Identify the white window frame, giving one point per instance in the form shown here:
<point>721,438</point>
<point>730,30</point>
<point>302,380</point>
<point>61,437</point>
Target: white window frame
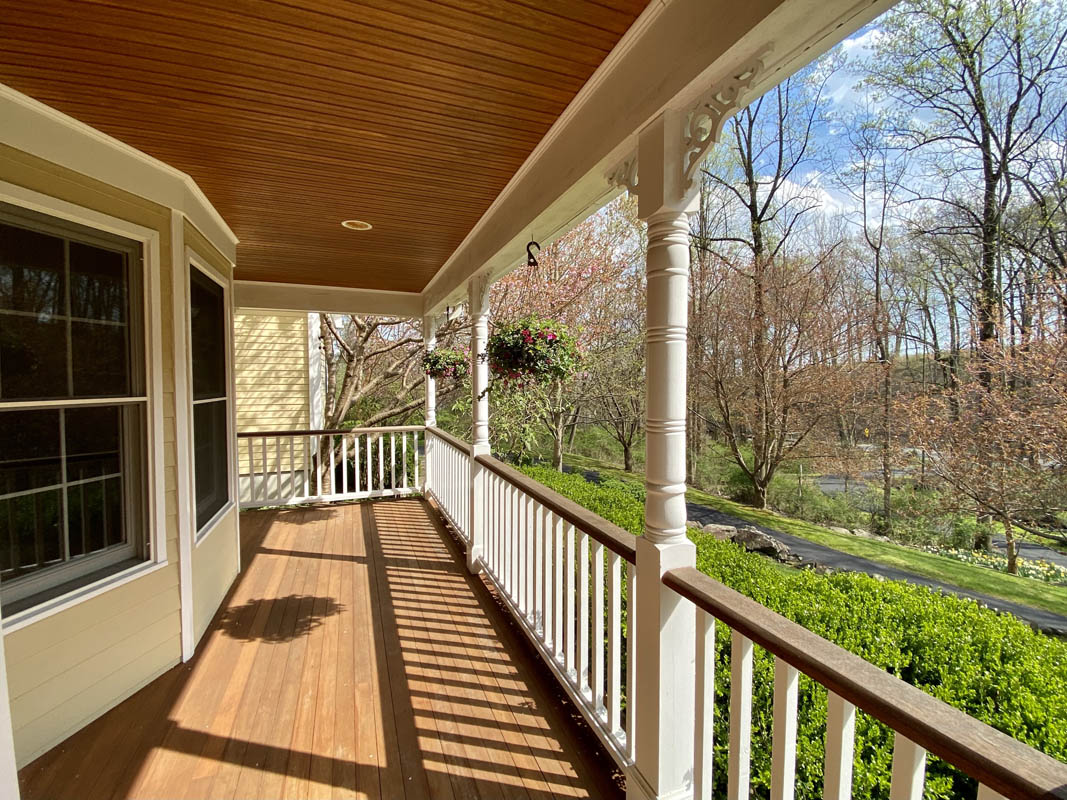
<point>194,261</point>
<point>155,509</point>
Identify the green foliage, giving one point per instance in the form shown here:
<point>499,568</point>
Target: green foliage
<point>811,503</point>
<point>532,350</point>
<point>445,363</point>
<point>990,666</point>
<point>1038,569</point>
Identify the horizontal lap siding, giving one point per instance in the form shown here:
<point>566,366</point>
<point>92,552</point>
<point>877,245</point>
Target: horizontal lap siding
<point>271,364</point>
<point>69,668</point>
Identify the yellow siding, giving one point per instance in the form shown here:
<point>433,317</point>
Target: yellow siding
<point>271,361</point>
<point>214,568</point>
<point>68,668</point>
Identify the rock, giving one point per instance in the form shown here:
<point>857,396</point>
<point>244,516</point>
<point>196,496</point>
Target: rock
<point>837,529</point>
<point>868,535</point>
<point>756,541</point>
<point>720,532</point>
<point>691,523</point>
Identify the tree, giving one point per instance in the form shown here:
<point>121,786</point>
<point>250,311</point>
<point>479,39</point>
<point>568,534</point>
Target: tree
<point>978,84</point>
<point>1001,448</point>
<point>763,329</point>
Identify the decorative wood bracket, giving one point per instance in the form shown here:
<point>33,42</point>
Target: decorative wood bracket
<point>706,119</point>
<point>625,174</point>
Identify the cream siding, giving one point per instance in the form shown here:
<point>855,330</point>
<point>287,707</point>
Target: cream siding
<point>60,676</point>
<point>271,361</point>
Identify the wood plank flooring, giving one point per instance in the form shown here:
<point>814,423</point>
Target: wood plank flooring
<point>354,657</point>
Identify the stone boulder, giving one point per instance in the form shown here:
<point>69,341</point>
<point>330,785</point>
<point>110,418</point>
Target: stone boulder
<point>720,532</point>
<point>860,532</point>
<point>756,541</point>
<point>837,529</point>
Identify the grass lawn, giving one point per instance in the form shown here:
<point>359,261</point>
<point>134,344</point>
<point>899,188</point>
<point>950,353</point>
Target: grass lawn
<point>967,576</point>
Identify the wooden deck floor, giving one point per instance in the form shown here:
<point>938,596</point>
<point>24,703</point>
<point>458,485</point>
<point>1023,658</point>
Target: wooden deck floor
<point>354,657</point>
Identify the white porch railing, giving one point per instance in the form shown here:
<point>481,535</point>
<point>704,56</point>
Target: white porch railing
<point>448,478</point>
<point>289,467</point>
<point>566,576</point>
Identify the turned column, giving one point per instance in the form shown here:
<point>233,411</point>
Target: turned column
<point>478,309</point>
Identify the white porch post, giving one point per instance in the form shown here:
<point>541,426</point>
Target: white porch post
<point>429,339</point>
<point>478,309</point>
<point>665,653</point>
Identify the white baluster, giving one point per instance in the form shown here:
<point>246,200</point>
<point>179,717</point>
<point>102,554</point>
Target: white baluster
<point>631,655</point>
<point>381,462</point>
<point>292,470</point>
<point>703,774</point>
<point>784,744</point>
<point>392,461</point>
<point>909,769</point>
<point>583,612</point>
<point>740,717</point>
<point>370,460</point>
<point>278,466</point>
<point>251,469</point>
<point>404,460</point>
<point>840,740</point>
<point>344,464</point>
<point>569,632</point>
<point>598,628</point>
<point>266,475</point>
<point>614,643</point>
<point>548,548</point>
<point>536,607</point>
<point>307,466</point>
<point>318,467</point>
<point>558,615</point>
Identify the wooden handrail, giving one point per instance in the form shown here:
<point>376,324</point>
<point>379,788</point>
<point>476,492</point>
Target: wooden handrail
<point>448,438</point>
<point>996,760</point>
<point>611,536</point>
<point>330,432</point>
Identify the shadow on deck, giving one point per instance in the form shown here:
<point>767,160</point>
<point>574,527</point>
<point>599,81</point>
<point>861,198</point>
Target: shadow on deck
<point>353,657</point>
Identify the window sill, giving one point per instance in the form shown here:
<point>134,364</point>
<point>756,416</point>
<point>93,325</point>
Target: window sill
<point>52,601</point>
<point>213,523</point>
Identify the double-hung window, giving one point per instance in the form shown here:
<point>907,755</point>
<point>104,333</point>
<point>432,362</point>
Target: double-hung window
<point>73,406</point>
<point>207,308</point>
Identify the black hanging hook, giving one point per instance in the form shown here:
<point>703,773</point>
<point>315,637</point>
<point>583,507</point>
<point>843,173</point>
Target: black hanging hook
<point>531,259</point>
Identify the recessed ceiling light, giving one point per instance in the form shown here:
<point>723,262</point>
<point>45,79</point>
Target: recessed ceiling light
<point>356,225</point>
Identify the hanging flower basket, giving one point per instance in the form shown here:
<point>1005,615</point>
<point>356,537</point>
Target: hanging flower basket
<point>446,363</point>
<point>532,350</point>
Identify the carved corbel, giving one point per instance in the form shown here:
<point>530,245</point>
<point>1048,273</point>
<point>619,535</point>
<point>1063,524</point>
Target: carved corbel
<point>706,119</point>
<point>624,175</point>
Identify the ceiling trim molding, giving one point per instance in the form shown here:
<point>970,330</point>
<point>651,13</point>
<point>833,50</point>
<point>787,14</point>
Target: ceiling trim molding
<point>333,299</point>
<point>42,131</point>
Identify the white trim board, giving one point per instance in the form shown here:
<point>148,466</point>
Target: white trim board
<point>42,131</point>
<point>334,299</point>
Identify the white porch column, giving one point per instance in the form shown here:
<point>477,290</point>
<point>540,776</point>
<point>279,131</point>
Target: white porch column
<point>478,309</point>
<point>429,340</point>
<point>665,652</point>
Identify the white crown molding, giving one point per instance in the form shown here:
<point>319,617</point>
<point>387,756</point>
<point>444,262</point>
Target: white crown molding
<point>332,299</point>
<point>42,131</point>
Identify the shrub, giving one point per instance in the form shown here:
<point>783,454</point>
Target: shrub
<point>445,363</point>
<point>534,350</point>
<point>990,666</point>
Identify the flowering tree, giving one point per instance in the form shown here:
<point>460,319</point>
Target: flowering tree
<point>1001,449</point>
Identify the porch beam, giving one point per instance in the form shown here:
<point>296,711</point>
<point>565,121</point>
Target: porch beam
<point>670,56</point>
<point>332,299</point>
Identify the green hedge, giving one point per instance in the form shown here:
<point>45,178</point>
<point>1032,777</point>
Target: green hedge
<point>991,666</point>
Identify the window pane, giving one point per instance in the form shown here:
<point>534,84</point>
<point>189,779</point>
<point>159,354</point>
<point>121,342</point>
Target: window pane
<point>29,450</point>
<point>33,357</point>
<point>93,437</point>
<point>208,336</point>
<point>97,283</point>
<point>31,271</point>
<point>101,363</point>
<point>209,435</point>
<point>31,531</point>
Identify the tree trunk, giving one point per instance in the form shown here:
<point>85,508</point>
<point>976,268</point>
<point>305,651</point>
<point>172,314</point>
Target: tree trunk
<point>627,458</point>
<point>557,452</point>
<point>1012,548</point>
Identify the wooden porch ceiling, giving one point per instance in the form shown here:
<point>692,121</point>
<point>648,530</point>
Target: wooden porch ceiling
<point>294,116</point>
<point>354,657</point>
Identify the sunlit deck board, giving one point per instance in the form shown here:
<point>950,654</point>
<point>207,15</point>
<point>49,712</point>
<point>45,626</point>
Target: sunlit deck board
<point>354,657</point>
